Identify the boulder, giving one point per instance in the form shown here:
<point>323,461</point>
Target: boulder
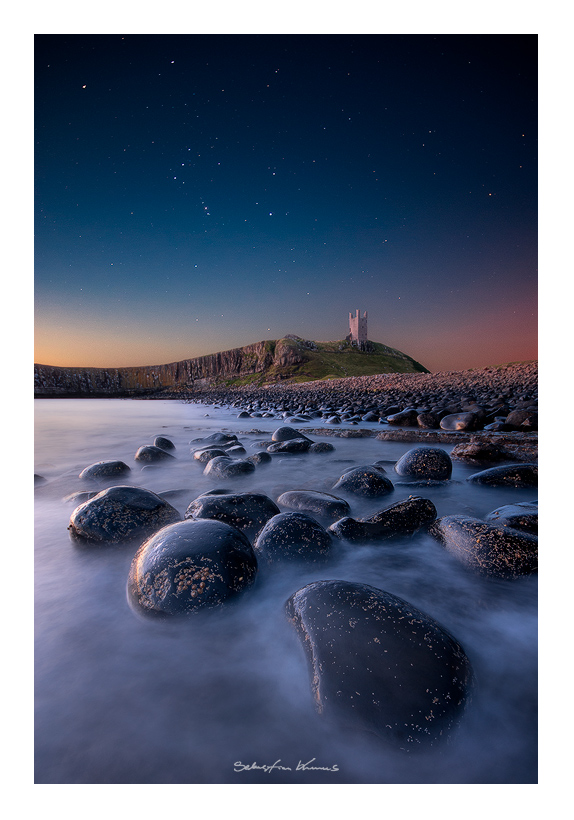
<point>120,513</point>
<point>287,433</point>
<point>512,475</point>
<point>321,447</point>
<point>246,511</point>
<point>293,536</point>
<point>323,505</point>
<point>226,467</point>
<point>366,481</point>
<point>404,418</point>
<point>425,462</point>
<point>149,453</point>
<point>190,566</point>
<point>104,469</point>
<point>402,518</point>
<point>293,445</point>
<point>488,549</point>
<point>478,452</point>
<point>163,443</point>
<point>460,421</point>
<point>522,516</point>
<point>379,664</point>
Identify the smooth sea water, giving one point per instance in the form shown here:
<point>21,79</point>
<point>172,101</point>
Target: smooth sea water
<point>122,699</point>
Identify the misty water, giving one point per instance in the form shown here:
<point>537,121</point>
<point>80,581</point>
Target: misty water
<point>123,699</point>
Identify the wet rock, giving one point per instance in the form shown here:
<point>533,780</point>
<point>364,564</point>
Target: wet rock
<point>288,433</point>
<point>214,440</point>
<point>365,481</point>
<point>190,566</point>
<point>321,447</point>
<point>513,475</point>
<point>226,467</point>
<point>293,536</point>
<point>427,421</point>
<point>39,479</point>
<point>402,518</point>
<point>379,664</point>
<point>478,452</point>
<point>425,462</point>
<point>522,419</point>
<point>149,453</point>
<point>104,469</point>
<point>404,418</point>
<point>163,443</point>
<point>488,549</point>
<point>293,445</point>
<point>246,511</point>
<point>323,505</point>
<point>205,455</point>
<point>259,458</point>
<point>236,450</point>
<point>120,513</point>
<point>460,421</point>
<point>522,516</point>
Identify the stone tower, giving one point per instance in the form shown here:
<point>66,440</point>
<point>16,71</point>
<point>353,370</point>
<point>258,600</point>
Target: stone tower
<point>358,329</point>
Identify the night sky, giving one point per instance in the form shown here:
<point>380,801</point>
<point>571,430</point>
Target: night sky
<point>196,193</point>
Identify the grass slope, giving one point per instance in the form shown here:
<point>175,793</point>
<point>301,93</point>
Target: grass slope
<point>332,360</point>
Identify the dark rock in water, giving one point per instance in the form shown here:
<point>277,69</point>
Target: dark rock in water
<point>206,454</point>
<point>425,462</point>
<point>379,664</point>
<point>404,418</point>
<point>402,518</point>
<point>215,439</point>
<point>246,511</point>
<point>321,447</point>
<point>244,415</point>
<point>478,452</point>
<point>39,479</point>
<point>293,445</point>
<point>513,475</point>
<point>522,419</point>
<point>370,416</point>
<point>259,458</point>
<point>226,467</point>
<point>460,421</point>
<point>488,549</point>
<point>150,453</point>
<point>287,433</point>
<point>236,450</point>
<point>104,469</point>
<point>522,516</point>
<point>323,505</point>
<point>366,481</point>
<point>428,421</point>
<point>121,513</point>
<point>163,443</point>
<point>189,566</point>
<point>293,536</point>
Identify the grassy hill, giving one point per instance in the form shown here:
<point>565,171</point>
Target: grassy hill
<point>300,360</point>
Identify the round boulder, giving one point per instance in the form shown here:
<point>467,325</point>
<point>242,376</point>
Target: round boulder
<point>402,518</point>
<point>379,664</point>
<point>121,513</point>
<point>226,467</point>
<point>460,421</point>
<point>425,462</point>
<point>149,454</point>
<point>365,481</point>
<point>488,549</point>
<point>163,443</point>
<point>522,516</point>
<point>293,536</point>
<point>323,505</point>
<point>246,511</point>
<point>513,475</point>
<point>292,445</point>
<point>104,469</point>
<point>287,433</point>
<point>189,566</point>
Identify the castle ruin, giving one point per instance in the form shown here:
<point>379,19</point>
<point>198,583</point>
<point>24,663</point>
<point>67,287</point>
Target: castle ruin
<point>358,330</point>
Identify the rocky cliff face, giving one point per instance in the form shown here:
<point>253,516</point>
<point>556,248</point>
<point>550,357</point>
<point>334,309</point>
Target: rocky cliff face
<point>124,381</point>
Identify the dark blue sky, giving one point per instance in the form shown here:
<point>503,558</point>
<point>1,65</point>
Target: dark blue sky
<point>201,192</point>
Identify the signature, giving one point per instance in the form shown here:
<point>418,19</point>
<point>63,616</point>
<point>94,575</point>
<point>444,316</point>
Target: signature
<point>278,766</point>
